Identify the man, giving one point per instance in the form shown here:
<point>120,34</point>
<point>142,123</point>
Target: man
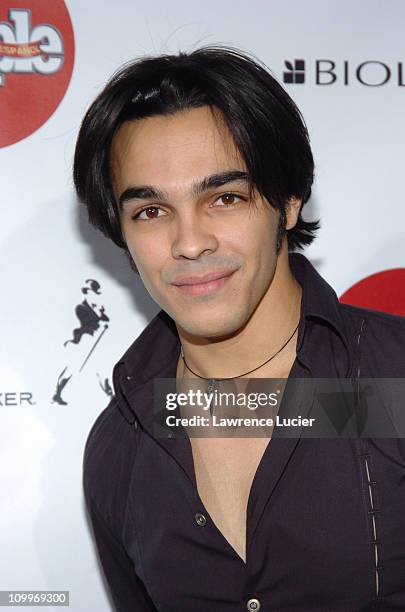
<point>198,166</point>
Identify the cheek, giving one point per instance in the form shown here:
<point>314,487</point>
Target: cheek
<point>149,255</point>
<point>140,257</point>
<point>259,240</point>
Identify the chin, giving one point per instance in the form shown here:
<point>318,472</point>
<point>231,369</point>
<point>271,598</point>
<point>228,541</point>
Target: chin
<point>212,326</point>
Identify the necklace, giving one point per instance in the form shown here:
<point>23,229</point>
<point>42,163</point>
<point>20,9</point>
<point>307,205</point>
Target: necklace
<point>212,381</point>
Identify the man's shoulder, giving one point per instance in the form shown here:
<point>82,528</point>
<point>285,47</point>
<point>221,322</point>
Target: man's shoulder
<point>378,320</point>
<point>102,424</point>
<point>379,338</point>
<point>109,448</point>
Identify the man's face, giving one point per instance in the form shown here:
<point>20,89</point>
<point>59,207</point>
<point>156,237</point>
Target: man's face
<point>187,213</point>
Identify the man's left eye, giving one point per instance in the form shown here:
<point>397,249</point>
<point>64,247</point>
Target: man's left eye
<point>228,199</point>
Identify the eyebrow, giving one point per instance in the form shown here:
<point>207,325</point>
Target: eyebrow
<point>147,192</point>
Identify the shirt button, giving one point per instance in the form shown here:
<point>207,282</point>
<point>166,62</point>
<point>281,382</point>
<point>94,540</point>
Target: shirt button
<point>253,605</point>
<point>200,519</point>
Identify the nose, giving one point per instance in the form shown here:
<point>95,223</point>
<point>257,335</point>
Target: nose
<point>193,236</point>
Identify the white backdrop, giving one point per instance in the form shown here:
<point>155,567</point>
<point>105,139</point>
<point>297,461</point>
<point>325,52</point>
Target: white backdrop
<point>47,250</point>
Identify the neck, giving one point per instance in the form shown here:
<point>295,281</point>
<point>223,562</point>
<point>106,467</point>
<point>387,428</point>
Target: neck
<point>269,327</point>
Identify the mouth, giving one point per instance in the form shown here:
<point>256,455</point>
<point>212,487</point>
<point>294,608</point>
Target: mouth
<point>204,285</point>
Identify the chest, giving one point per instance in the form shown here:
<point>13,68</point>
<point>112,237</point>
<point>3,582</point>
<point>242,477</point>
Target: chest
<point>310,525</point>
<point>224,470</point>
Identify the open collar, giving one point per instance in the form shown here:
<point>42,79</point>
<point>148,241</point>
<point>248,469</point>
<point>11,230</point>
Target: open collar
<point>319,301</point>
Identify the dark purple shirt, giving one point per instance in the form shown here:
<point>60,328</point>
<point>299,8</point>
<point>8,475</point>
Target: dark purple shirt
<point>325,517</point>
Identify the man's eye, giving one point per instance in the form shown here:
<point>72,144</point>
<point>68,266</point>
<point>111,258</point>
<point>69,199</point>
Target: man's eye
<point>228,199</point>
<point>151,212</point>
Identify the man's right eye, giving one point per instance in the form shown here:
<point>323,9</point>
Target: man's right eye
<point>151,212</point>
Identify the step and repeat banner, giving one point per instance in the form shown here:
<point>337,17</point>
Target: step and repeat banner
<point>70,304</point>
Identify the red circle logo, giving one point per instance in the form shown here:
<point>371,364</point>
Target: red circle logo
<point>381,291</point>
<point>36,63</point>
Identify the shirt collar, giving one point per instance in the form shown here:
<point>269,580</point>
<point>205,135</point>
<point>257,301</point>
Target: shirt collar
<point>319,300</point>
<point>155,353</point>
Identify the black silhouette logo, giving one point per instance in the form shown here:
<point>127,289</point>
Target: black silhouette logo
<point>295,72</point>
<point>93,321</point>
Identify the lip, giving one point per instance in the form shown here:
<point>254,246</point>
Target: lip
<point>203,285</point>
<point>205,278</point>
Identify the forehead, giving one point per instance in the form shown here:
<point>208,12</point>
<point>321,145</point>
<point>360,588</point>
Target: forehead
<point>173,150</point>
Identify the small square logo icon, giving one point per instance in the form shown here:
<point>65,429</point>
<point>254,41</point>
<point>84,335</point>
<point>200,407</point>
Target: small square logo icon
<point>295,73</point>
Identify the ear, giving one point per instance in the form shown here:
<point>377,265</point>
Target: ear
<point>293,207</point>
